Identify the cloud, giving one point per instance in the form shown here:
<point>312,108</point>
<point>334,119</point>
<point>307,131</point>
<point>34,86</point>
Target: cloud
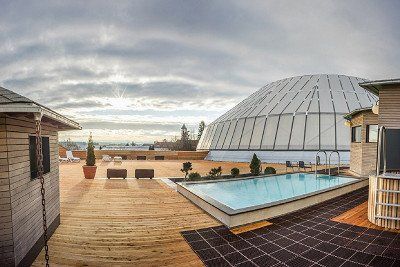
<point>100,62</point>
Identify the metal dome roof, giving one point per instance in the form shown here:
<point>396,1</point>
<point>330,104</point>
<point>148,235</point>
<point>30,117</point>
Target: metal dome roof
<point>297,113</point>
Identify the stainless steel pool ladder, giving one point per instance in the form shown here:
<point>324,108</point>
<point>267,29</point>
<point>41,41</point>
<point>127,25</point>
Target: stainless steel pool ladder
<point>382,151</point>
<point>329,166</point>
<point>326,160</point>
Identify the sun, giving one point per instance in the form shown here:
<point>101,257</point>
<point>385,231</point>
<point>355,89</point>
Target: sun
<point>119,100</point>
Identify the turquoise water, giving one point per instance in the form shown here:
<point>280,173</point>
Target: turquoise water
<point>258,191</point>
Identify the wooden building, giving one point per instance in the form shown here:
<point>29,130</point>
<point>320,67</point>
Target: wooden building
<point>384,183</point>
<point>364,138</point>
<point>21,218</point>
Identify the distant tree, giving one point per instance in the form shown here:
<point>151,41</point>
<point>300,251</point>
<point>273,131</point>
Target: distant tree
<point>90,157</point>
<point>70,145</point>
<point>186,168</point>
<point>202,126</point>
<point>255,165</point>
<point>127,144</point>
<point>133,143</point>
<point>184,143</point>
<point>151,147</point>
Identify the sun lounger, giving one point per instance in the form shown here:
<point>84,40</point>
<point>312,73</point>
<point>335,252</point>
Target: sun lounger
<point>61,160</point>
<point>71,157</point>
<point>117,159</point>
<point>106,158</point>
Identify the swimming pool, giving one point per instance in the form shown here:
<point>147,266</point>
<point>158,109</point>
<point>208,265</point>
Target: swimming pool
<point>289,191</point>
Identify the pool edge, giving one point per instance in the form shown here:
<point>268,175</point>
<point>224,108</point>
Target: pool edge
<point>246,217</point>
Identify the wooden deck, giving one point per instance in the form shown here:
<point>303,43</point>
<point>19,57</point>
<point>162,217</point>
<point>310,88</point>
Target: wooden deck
<point>358,216</point>
<point>122,222</point>
<point>127,222</point>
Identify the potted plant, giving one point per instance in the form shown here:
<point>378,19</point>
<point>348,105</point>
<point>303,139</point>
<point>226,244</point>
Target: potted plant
<point>89,170</point>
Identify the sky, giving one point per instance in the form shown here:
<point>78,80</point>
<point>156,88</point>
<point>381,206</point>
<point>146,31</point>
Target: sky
<point>137,70</point>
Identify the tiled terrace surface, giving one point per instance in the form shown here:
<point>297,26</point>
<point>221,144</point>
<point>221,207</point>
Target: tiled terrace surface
<point>304,238</point>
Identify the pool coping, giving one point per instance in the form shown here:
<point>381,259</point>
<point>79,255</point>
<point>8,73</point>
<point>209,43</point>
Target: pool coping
<point>229,211</point>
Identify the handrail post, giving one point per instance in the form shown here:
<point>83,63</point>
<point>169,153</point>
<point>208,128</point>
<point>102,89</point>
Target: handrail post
<point>330,154</point>
<point>326,160</point>
<point>378,158</point>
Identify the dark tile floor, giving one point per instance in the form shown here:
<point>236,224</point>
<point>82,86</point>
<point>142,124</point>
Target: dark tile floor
<point>304,238</point>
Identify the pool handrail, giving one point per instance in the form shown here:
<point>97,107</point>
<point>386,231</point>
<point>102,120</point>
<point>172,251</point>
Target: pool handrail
<point>326,160</point>
<point>329,167</point>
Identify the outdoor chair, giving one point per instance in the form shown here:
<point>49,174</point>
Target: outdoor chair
<point>303,166</point>
<point>106,158</point>
<point>290,165</point>
<point>71,157</point>
<point>61,160</point>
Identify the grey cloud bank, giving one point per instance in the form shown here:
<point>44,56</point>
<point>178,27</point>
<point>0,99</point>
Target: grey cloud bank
<point>141,68</point>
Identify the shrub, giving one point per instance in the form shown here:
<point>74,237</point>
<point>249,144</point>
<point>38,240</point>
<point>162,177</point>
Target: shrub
<point>235,172</point>
<point>269,170</point>
<point>194,176</point>
<point>215,172</point>
<point>255,165</point>
<point>186,167</point>
<point>90,157</point>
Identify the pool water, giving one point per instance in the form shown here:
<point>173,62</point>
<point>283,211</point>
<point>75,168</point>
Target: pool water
<point>245,193</point>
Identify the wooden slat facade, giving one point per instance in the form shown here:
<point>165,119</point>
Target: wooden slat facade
<point>389,107</point>
<point>20,198</point>
<point>389,116</point>
<point>383,197</point>
<point>6,226</point>
<point>363,154</point>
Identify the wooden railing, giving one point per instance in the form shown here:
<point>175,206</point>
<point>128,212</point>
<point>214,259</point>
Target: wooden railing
<point>133,154</point>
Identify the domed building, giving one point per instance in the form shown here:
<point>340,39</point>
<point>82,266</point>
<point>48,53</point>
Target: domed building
<point>290,119</point>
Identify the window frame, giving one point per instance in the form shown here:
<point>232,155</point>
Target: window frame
<point>367,139</point>
<point>46,157</point>
<point>353,134</point>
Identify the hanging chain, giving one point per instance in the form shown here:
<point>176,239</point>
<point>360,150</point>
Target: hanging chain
<point>39,158</point>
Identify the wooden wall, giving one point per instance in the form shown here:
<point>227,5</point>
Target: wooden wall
<point>363,155</point>
<point>24,193</point>
<point>6,227</point>
<point>389,107</point>
<point>132,154</point>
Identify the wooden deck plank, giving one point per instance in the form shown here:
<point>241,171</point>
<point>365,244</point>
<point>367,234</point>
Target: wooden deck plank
<point>358,216</point>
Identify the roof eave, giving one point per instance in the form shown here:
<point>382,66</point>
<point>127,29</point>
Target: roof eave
<point>32,108</point>
<point>350,115</point>
<point>375,86</point>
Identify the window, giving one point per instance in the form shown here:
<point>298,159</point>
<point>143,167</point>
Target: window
<point>356,134</point>
<point>372,133</point>
<point>32,156</point>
